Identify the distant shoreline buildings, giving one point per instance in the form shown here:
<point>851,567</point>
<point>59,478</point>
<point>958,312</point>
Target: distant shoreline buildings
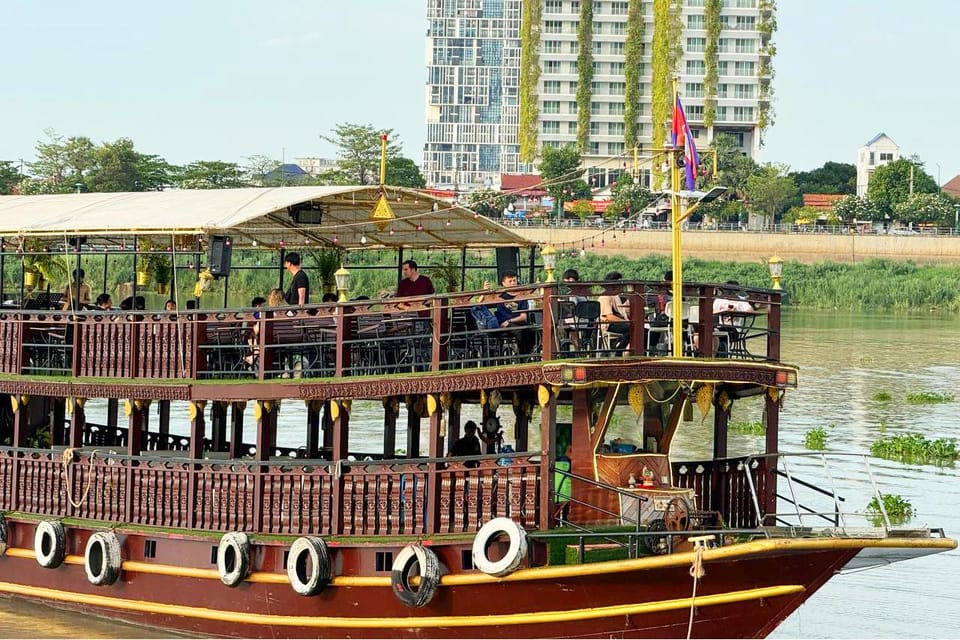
<point>720,50</point>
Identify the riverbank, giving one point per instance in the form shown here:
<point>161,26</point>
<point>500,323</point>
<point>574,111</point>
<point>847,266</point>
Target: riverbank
<point>749,246</point>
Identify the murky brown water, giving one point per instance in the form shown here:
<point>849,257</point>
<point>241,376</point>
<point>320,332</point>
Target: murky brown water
<point>844,360</point>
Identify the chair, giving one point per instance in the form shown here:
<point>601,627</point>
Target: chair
<point>565,334</point>
<point>660,333</point>
<point>587,325</point>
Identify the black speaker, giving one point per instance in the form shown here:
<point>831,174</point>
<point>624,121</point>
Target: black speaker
<point>508,259</point>
<point>218,260</point>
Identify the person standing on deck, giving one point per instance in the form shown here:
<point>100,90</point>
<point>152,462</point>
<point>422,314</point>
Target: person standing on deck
<point>298,294</point>
<point>468,445</point>
<point>69,298</point>
<point>412,283</point>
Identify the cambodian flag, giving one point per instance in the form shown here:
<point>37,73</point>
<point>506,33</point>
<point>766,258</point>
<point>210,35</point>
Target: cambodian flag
<point>682,137</point>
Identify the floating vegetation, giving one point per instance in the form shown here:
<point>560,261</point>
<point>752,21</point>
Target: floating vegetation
<point>929,397</point>
<point>914,448</point>
<point>816,438</point>
<point>898,508</point>
<point>882,396</point>
<point>747,428</point>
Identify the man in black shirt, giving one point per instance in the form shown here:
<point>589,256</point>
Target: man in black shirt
<point>298,293</point>
<point>468,445</point>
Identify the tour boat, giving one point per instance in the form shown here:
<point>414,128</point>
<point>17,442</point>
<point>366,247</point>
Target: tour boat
<point>567,532</point>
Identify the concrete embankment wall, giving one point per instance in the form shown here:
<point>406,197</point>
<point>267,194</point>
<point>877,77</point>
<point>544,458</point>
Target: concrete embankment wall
<point>743,246</point>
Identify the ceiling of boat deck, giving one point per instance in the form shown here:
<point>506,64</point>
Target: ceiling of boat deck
<point>297,216</point>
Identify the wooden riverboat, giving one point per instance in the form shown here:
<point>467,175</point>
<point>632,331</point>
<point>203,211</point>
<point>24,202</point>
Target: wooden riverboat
<point>226,531</point>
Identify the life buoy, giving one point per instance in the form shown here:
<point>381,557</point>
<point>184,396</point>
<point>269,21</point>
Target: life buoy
<point>308,565</point>
<point>101,559</point>
<point>233,558</point>
<point>50,543</point>
<point>415,559</point>
<point>515,551</point>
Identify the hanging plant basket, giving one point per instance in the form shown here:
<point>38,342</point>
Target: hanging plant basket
<point>163,288</point>
<point>31,279</point>
<point>143,278</point>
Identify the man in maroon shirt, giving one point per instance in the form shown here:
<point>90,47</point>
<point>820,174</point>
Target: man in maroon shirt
<point>413,284</point>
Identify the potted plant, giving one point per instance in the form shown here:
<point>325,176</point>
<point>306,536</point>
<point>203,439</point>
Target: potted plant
<point>145,262</point>
<point>327,262</point>
<point>447,274</point>
<point>162,271</point>
<point>40,264</point>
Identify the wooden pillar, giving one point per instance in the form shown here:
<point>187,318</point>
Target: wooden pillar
<point>772,413</point>
<point>218,425</point>
<point>413,428</point>
<point>391,409</point>
<point>164,423</point>
<point>340,413</point>
<point>112,412</point>
<point>432,525</point>
<point>720,418</point>
<point>581,459</point>
<point>78,421</point>
<point>135,410</point>
<point>236,429</point>
<point>21,424</point>
<point>265,412</point>
<point>313,427</point>
<point>548,453</point>
<point>197,429</point>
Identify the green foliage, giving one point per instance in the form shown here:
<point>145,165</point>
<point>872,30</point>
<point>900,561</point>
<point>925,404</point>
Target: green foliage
<point>446,273</point>
<point>832,177</point>
<point>326,262</point>
<point>583,209</point>
<point>662,71</point>
<point>490,203</point>
<point>629,198</point>
<point>929,208</point>
<point>756,428</point>
<point>584,72</point>
<point>802,215</point>
<point>816,438</point>
<point>770,190</point>
<point>766,27</point>
<point>929,397</point>
<point>882,396</point>
<point>633,57</point>
<point>733,167</point>
<point>890,184</point>
<point>898,509</point>
<point>210,174</point>
<point>9,177</point>
<point>712,25</point>
<point>358,150</point>
<point>916,449</point>
<point>561,172</point>
<point>529,79</point>
<point>404,172</point>
<point>853,208</point>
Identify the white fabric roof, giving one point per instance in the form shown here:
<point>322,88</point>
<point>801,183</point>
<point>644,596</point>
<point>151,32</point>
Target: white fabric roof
<point>261,214</point>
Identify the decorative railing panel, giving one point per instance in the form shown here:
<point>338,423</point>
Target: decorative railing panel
<point>224,498</point>
<point>722,486</point>
<point>298,500</point>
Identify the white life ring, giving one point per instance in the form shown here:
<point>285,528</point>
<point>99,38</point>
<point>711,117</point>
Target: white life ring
<point>101,559</point>
<point>308,554</point>
<point>515,552</point>
<point>415,559</point>
<point>233,558</point>
<point>50,543</point>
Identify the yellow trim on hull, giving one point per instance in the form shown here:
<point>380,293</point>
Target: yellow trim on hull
<point>425,622</point>
<point>756,547</point>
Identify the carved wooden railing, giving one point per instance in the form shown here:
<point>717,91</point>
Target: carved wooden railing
<point>430,333</point>
<point>722,486</point>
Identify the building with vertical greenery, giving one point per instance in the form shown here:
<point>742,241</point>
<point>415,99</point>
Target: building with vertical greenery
<point>721,51</point>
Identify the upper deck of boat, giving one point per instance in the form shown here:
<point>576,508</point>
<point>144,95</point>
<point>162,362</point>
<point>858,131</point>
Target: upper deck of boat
<point>359,341</point>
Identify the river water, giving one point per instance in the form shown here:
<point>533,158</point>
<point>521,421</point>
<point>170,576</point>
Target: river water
<point>844,360</point>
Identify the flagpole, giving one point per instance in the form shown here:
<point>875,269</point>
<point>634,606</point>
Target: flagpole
<point>676,216</point>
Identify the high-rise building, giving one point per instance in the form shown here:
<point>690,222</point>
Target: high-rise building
<point>721,50</point>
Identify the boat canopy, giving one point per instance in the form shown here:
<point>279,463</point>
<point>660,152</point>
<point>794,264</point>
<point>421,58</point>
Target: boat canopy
<point>350,217</point>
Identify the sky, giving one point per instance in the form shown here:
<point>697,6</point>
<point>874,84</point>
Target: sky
<point>229,79</point>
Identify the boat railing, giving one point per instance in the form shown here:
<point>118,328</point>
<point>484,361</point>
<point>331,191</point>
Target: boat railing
<point>384,337</point>
<point>284,496</point>
<point>806,504</point>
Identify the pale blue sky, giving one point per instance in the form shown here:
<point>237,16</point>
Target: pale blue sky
<point>223,80</point>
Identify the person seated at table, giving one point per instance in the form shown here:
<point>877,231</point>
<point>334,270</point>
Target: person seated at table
<point>572,276</point>
<point>329,297</point>
<point>468,445</point>
<point>413,284</point>
<point>133,304</point>
<point>615,314</point>
<point>511,314</point>
<point>170,305</point>
<point>104,302</point>
<point>727,323</point>
<point>69,299</point>
<point>252,334</point>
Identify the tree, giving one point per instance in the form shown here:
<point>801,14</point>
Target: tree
<point>119,167</point>
<point>404,172</point>
<point>9,177</point>
<point>490,203</point>
<point>62,164</point>
<point>562,174</point>
<point>210,174</point>
<point>629,197</point>
<point>258,168</point>
<point>770,191</point>
<point>359,150</point>
<point>891,184</point>
<point>853,208</point>
<point>583,209</point>
<point>832,177</point>
<point>926,208</point>
<point>733,166</point>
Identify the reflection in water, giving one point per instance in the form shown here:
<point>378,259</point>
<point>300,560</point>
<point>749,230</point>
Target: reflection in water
<point>844,361</point>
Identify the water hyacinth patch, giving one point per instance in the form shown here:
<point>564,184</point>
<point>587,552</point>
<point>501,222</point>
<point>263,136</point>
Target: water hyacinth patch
<point>898,508</point>
<point>915,448</point>
<point>882,396</point>
<point>929,397</point>
<point>816,438</point>
<point>747,428</point>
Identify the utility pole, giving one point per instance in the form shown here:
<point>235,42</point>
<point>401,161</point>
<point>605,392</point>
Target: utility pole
<point>911,179</point>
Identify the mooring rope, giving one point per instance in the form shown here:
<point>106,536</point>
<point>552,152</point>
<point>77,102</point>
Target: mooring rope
<point>696,571</point>
<point>68,456</point>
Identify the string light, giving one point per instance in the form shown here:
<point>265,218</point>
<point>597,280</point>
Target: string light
<point>253,244</point>
<point>419,227</point>
<point>583,253</point>
<point>363,238</point>
<point>392,231</point>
